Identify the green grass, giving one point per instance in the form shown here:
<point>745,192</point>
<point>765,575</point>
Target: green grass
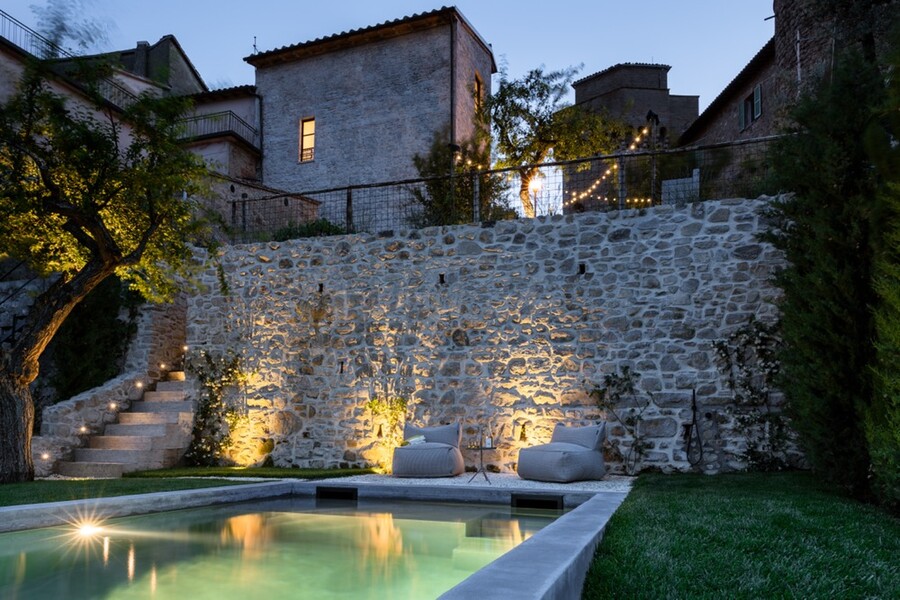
<point>753,535</point>
<point>37,492</point>
<point>273,472</point>
<point>145,482</point>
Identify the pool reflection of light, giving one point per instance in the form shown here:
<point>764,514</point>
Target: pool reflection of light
<point>89,530</point>
<point>130,563</point>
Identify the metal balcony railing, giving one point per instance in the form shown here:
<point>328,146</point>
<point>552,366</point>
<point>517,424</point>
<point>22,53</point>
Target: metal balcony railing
<point>29,40</point>
<point>218,123</point>
<point>40,47</point>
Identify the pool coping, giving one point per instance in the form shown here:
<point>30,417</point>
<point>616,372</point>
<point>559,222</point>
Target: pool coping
<point>551,565</point>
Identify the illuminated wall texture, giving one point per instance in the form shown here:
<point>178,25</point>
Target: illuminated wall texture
<point>502,327</point>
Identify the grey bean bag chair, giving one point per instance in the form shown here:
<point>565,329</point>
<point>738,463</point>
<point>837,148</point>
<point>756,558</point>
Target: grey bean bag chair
<point>573,454</point>
<point>438,456</point>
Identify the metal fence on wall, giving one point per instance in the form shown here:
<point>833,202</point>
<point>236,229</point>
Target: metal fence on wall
<point>599,183</point>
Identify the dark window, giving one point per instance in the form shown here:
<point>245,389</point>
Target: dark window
<point>751,108</point>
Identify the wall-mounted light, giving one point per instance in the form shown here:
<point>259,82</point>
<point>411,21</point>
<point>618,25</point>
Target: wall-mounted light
<point>523,437</point>
<point>321,287</point>
<point>441,279</point>
<point>138,384</point>
<point>113,406</point>
<point>342,367</point>
<point>45,456</point>
<point>582,268</point>
<point>83,429</point>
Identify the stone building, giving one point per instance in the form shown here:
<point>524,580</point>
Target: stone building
<point>745,109</point>
<point>807,39</point>
<point>356,107</point>
<point>638,93</point>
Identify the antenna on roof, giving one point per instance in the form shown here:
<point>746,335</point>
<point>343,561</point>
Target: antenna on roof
<point>255,51</point>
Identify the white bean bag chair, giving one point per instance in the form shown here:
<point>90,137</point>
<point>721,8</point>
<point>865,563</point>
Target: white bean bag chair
<point>573,454</point>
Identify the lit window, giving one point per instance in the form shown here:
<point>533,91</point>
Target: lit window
<point>307,140</point>
<point>479,92</point>
<point>751,108</point>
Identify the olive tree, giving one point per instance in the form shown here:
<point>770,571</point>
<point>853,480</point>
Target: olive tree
<point>531,124</point>
<point>87,190</point>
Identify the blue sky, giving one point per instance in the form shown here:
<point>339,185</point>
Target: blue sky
<point>705,41</point>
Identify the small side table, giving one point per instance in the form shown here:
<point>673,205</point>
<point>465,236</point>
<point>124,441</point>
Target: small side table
<point>481,468</point>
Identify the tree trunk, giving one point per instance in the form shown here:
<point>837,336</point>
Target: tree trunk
<point>525,177</point>
<point>16,421</point>
<point>19,367</point>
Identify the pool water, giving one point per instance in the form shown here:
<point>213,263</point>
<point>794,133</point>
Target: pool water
<point>284,548</point>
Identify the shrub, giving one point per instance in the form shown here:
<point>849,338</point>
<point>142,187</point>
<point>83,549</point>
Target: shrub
<point>319,227</point>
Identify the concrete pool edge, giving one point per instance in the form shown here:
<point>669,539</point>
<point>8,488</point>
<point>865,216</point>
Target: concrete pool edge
<point>52,514</point>
<point>552,565</point>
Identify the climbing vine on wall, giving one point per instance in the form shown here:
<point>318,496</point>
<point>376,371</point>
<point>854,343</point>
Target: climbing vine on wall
<point>215,418</point>
<point>618,395</point>
<point>748,358</point>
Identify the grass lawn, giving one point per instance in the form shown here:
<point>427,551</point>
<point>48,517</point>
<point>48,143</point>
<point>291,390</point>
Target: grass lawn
<point>145,482</point>
<point>273,472</point>
<point>753,535</point>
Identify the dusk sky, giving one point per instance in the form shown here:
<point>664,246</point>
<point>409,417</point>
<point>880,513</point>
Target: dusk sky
<point>706,42</point>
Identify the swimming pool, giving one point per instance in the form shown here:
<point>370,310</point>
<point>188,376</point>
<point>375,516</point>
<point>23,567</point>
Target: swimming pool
<point>294,547</point>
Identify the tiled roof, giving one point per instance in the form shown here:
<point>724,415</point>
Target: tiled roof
<point>621,66</point>
<point>763,58</point>
<point>385,30</point>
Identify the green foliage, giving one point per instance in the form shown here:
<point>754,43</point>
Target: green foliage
<point>90,346</point>
<point>215,417</point>
<point>746,535</point>
<point>830,229</point>
<point>393,409</point>
<point>531,124</point>
<point>319,227</point>
<point>448,201</point>
<point>619,396</point>
<point>749,358</point>
<point>78,188</point>
<point>882,418</point>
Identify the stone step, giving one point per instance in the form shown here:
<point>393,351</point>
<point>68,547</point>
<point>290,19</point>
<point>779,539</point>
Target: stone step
<point>170,386</point>
<point>172,441</point>
<point>131,429</point>
<point>90,469</point>
<point>175,376</point>
<point>154,418</point>
<point>122,442</point>
<point>131,460</point>
<point>166,396</point>
<point>165,406</point>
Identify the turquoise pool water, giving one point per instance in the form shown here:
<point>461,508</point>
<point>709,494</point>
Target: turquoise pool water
<point>287,548</point>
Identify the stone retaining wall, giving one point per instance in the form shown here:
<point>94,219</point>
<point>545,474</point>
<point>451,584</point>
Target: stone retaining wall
<point>504,326</point>
<point>157,346</point>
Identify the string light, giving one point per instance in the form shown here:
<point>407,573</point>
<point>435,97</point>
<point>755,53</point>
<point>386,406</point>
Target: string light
<point>579,196</point>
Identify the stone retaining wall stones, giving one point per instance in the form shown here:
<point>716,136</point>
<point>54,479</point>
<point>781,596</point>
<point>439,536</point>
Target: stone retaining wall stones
<point>502,327</point>
<point>67,425</point>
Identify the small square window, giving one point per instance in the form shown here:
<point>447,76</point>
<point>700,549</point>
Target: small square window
<point>307,140</point>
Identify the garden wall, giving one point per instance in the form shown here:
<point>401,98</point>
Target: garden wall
<point>505,326</point>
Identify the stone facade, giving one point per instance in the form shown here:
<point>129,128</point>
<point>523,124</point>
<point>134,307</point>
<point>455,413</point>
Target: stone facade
<point>629,91</point>
<point>156,347</point>
<point>505,327</point>
<point>378,97</point>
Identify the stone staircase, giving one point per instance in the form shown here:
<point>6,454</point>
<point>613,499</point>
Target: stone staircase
<point>154,434</point>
